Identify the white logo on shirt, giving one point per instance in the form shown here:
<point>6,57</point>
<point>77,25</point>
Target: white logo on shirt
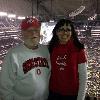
<point>61,60</point>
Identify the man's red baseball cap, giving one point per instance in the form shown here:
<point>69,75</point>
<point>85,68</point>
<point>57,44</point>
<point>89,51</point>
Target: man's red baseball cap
<point>30,22</point>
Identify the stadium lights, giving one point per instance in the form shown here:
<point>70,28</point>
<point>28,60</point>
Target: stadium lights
<point>96,30</point>
<point>92,17</point>
<point>21,17</point>
<point>1,32</point>
<point>11,31</point>
<point>11,15</point>
<point>77,11</point>
<point>3,14</point>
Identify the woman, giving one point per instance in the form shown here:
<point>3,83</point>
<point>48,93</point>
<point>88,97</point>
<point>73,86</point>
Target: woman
<point>68,61</point>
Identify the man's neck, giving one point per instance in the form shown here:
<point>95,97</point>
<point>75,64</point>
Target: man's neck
<point>31,47</point>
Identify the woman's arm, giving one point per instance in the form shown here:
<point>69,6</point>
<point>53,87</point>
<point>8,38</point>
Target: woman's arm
<point>82,69</point>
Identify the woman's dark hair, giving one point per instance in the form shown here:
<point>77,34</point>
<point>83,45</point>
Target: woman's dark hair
<point>55,39</point>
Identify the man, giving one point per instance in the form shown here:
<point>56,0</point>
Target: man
<point>26,68</point>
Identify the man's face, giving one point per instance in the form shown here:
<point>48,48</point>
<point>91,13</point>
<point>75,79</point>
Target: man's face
<point>31,37</point>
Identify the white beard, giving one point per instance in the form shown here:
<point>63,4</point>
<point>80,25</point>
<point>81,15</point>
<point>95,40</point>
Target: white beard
<point>31,43</point>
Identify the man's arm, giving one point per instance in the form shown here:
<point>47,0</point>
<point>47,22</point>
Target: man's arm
<point>6,79</point>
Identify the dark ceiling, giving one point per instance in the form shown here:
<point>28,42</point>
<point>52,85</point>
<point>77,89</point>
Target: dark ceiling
<point>64,8</point>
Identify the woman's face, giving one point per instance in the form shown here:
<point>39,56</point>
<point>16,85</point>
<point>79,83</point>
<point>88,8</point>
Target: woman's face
<point>31,37</point>
<point>64,33</point>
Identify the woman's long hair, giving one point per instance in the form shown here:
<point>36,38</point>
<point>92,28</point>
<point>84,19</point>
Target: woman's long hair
<point>54,41</point>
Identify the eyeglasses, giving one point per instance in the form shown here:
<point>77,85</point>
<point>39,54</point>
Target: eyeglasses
<point>64,30</point>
